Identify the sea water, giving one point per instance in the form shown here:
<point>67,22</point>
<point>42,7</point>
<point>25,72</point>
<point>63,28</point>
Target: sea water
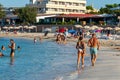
<point>44,60</point>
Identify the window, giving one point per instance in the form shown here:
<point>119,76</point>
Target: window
<point>61,3</point>
<point>61,10</point>
<point>54,2</point>
<point>38,2</point>
<point>68,3</point>
<point>82,4</point>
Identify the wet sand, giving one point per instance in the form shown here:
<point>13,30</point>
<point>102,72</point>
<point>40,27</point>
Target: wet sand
<point>107,67</point>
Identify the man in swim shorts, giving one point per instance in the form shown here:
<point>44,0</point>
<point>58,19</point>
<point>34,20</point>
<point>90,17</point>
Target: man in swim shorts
<point>12,46</point>
<point>94,45</point>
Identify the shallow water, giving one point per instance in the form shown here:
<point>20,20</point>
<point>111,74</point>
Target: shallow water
<point>39,61</point>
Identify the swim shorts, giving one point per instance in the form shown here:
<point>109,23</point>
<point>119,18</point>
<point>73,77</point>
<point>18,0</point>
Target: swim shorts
<point>12,51</point>
<point>93,50</point>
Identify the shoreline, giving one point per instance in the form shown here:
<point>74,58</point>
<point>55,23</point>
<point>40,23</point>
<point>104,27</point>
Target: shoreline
<point>106,43</point>
<point>106,67</point>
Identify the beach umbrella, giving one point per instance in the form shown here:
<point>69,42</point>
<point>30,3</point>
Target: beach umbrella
<point>94,26</point>
<point>16,27</point>
<point>86,27</point>
<point>72,31</point>
<point>117,28</point>
<point>20,26</point>
<point>100,28</point>
<point>30,27</point>
<point>26,27</point>
<point>33,26</point>
<point>78,26</point>
<point>109,28</point>
<point>10,27</point>
<point>5,27</point>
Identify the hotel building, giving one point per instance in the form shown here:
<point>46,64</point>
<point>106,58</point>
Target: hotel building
<point>59,6</point>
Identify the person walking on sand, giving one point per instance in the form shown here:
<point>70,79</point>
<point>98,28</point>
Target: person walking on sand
<point>12,46</point>
<point>81,51</point>
<point>94,45</point>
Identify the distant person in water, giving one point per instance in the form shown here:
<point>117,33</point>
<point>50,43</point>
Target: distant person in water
<point>2,48</point>
<point>1,54</point>
<point>40,38</point>
<point>80,46</point>
<point>35,40</point>
<point>12,47</point>
<point>63,38</point>
<point>18,48</point>
<point>94,45</point>
<point>58,39</point>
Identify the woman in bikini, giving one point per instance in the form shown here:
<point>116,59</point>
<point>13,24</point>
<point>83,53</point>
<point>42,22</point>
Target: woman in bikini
<point>81,51</point>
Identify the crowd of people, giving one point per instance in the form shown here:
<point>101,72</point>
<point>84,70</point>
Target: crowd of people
<point>93,43</point>
<point>61,38</point>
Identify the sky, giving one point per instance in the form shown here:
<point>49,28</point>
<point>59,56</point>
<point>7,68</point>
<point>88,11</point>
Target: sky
<point>20,3</point>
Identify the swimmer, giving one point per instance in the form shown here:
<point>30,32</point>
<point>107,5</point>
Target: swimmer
<point>1,54</point>
<point>40,38</point>
<point>35,40</point>
<point>2,48</point>
<point>18,48</point>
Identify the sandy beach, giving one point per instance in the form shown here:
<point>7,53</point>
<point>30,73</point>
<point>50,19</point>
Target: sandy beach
<point>107,66</point>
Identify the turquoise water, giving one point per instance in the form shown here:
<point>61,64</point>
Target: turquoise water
<point>39,61</point>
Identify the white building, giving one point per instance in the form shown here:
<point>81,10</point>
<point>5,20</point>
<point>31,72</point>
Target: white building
<point>59,6</point>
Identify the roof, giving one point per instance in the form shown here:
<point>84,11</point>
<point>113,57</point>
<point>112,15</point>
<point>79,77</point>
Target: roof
<point>84,15</point>
<point>76,15</point>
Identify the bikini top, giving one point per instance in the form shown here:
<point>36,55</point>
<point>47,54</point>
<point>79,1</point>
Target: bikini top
<point>81,45</point>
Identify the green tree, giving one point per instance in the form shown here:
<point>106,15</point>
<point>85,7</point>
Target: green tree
<point>27,14</point>
<point>111,5</point>
<point>89,8</point>
<point>110,9</point>
<point>2,13</point>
